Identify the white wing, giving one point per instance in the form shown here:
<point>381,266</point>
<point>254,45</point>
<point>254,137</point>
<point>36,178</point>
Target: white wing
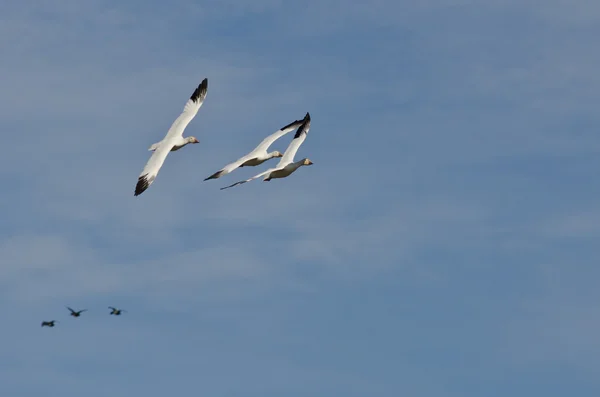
<point>229,167</point>
<point>152,167</point>
<point>250,179</point>
<point>290,152</point>
<point>163,148</point>
<point>268,141</point>
<point>189,111</point>
<point>264,145</point>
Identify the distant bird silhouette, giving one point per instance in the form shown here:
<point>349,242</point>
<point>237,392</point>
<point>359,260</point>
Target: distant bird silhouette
<point>48,323</point>
<point>74,313</point>
<point>115,311</point>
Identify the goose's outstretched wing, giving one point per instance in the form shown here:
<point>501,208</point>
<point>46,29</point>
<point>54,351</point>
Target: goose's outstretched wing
<point>151,168</point>
<point>290,152</point>
<point>268,141</point>
<point>189,111</point>
<point>250,179</point>
<point>229,167</point>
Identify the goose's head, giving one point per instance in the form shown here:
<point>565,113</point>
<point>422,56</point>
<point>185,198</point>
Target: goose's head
<point>307,162</point>
<point>277,154</point>
<point>192,139</point>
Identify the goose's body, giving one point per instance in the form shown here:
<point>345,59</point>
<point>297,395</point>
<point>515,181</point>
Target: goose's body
<point>174,139</point>
<point>258,160</point>
<point>287,170</point>
<point>259,155</point>
<point>176,145</point>
<point>286,165</point>
<point>48,323</point>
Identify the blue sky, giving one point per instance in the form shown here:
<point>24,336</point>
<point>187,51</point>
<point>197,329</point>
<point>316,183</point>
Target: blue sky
<point>444,243</point>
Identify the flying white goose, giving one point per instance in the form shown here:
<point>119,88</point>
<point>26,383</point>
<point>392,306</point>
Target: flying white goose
<point>286,165</point>
<point>174,139</point>
<point>259,155</point>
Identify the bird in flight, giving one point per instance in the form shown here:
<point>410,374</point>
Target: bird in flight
<point>286,165</point>
<point>115,311</point>
<point>174,139</point>
<point>259,154</point>
<point>75,313</point>
<point>48,323</point>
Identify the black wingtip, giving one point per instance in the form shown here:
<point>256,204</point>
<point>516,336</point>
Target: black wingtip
<point>235,184</point>
<point>297,123</point>
<point>306,119</point>
<point>200,92</point>
<point>216,175</point>
<point>142,185</point>
<point>305,125</point>
<point>294,124</point>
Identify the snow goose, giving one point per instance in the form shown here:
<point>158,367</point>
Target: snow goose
<point>174,139</point>
<point>259,155</point>
<point>286,165</point>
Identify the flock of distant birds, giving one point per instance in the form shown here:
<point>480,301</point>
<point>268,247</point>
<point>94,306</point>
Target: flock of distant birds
<point>76,313</point>
<point>174,140</point>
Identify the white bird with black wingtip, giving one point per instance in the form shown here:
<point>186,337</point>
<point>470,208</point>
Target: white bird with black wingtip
<point>259,155</point>
<point>286,165</point>
<point>173,140</point>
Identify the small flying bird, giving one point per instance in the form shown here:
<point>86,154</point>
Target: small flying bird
<point>259,155</point>
<point>48,323</point>
<point>115,311</point>
<point>174,139</point>
<point>75,313</point>
<point>286,165</point>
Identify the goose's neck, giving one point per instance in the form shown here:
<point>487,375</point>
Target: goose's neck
<point>298,164</point>
<point>180,143</point>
